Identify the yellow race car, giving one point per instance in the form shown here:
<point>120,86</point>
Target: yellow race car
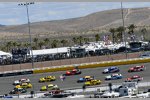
<point>92,82</point>
<point>24,85</point>
<point>49,87</point>
<point>47,79</point>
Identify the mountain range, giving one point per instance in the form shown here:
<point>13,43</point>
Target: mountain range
<point>98,20</point>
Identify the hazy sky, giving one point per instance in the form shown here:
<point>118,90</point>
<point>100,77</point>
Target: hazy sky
<point>12,14</point>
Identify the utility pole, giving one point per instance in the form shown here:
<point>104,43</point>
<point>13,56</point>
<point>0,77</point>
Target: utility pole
<point>124,35</point>
<point>30,36</point>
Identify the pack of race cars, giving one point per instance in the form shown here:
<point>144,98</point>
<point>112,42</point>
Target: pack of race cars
<point>22,85</point>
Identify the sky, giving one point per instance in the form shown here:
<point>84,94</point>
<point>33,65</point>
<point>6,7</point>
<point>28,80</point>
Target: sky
<point>12,14</point>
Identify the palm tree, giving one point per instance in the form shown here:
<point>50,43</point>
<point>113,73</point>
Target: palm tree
<point>9,45</point>
<point>35,40</point>
<point>97,37</point>
<point>80,39</point>
<point>18,44</point>
<point>120,31</point>
<point>40,44</point>
<point>75,40</point>
<point>14,44</point>
<point>131,29</point>
<point>86,40</point>
<point>26,44</point>
<point>46,40</point>
<point>54,43</point>
<point>64,42</point>
<point>143,31</point>
<point>113,30</point>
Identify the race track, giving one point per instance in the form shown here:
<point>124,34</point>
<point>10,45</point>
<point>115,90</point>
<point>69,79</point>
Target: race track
<point>70,82</point>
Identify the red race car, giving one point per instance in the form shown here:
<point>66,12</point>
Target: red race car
<point>73,72</point>
<point>135,78</point>
<point>137,68</point>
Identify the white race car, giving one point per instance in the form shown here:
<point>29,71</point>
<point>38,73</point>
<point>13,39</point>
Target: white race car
<point>113,77</point>
<point>23,80</point>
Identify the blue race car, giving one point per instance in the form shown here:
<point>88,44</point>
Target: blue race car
<point>84,79</point>
<point>111,70</point>
<point>113,77</point>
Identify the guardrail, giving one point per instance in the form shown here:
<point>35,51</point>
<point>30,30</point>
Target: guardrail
<point>15,73</point>
<point>93,65</point>
<point>80,66</point>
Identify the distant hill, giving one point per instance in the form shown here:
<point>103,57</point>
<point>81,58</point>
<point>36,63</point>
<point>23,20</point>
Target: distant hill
<point>98,20</point>
<point>1,25</point>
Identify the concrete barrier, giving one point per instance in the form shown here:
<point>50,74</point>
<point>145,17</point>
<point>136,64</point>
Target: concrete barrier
<point>54,69</point>
<point>93,65</point>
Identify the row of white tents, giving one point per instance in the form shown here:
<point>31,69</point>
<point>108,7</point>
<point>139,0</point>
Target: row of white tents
<point>88,47</point>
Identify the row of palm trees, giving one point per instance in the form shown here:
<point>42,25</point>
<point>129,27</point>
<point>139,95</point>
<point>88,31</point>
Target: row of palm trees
<point>47,43</point>
<point>117,36</point>
<point>117,33</point>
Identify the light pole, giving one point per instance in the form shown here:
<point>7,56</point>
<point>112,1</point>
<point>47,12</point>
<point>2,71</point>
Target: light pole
<point>30,37</point>
<point>124,37</point>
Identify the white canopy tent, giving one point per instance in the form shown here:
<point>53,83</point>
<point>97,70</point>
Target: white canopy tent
<point>2,53</point>
<point>50,51</point>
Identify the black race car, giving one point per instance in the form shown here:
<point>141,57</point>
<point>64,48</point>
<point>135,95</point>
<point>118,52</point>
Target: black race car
<point>18,91</point>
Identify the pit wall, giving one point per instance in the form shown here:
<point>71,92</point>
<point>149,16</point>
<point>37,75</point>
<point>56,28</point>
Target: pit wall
<point>92,65</point>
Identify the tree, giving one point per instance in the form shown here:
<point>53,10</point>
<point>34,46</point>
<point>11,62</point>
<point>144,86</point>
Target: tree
<point>35,40</point>
<point>26,44</point>
<point>64,42</point>
<point>46,41</point>
<point>120,31</point>
<point>113,30</point>
<point>14,44</point>
<point>97,37</point>
<point>86,40</point>
<point>9,45</point>
<point>18,44</point>
<point>54,43</point>
<point>131,29</point>
<point>40,44</point>
<point>75,40</point>
<point>143,31</point>
<point>80,39</point>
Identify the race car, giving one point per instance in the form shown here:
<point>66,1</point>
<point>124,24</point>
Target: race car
<point>137,68</point>
<point>73,72</point>
<point>49,87</point>
<point>47,79</point>
<point>84,79</point>
<point>113,77</point>
<point>111,70</point>
<point>135,78</point>
<point>92,82</point>
<point>18,91</point>
<point>23,80</point>
<point>24,85</point>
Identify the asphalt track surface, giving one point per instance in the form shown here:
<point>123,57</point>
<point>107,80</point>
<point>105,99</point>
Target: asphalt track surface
<point>70,81</point>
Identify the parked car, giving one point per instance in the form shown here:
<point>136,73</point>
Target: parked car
<point>145,55</point>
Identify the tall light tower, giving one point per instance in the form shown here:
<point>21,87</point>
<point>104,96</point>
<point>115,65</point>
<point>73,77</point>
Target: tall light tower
<point>124,35</point>
<point>30,36</point>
